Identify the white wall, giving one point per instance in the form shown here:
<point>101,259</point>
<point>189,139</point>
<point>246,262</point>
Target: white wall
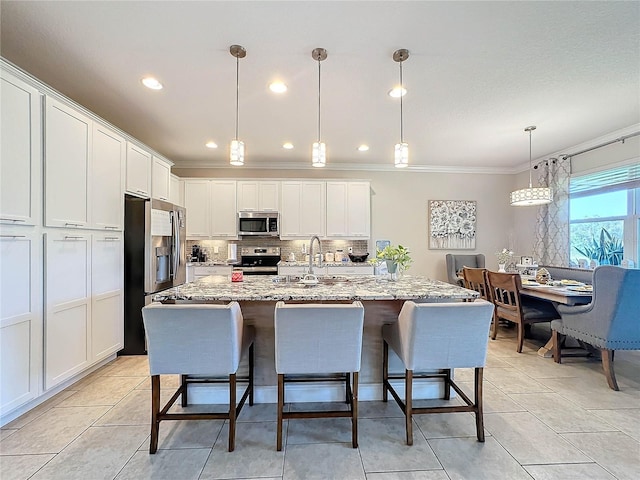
<point>400,203</point>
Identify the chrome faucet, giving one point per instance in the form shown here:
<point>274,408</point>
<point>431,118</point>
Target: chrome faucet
<point>315,237</point>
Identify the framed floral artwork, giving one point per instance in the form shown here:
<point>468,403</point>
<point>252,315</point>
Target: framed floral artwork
<point>452,224</point>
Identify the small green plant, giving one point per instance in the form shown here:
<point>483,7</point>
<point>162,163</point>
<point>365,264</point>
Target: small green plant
<point>606,250</point>
<point>399,255</point>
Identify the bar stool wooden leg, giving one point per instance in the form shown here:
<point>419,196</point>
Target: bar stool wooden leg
<point>557,348</point>
<point>385,370</point>
<point>520,337</point>
<point>155,409</point>
<point>479,408</point>
<point>607,366</point>
<point>251,359</point>
<point>408,402</point>
<point>347,388</point>
<point>447,384</point>
<point>232,412</point>
<point>280,408</point>
<point>354,411</point>
<point>183,382</point>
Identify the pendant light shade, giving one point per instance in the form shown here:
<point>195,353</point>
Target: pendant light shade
<point>401,152</point>
<point>236,149</point>
<point>531,196</point>
<point>319,149</point>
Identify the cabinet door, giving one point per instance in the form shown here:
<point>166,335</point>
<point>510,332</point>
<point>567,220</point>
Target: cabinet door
<point>269,196</point>
<point>160,179</point>
<point>20,152</point>
<point>224,217</point>
<point>20,319</point>
<point>247,196</point>
<point>359,209</point>
<point>176,190</point>
<point>138,171</point>
<point>67,166</point>
<point>291,209</point>
<point>107,178</point>
<point>107,320</point>
<point>312,204</point>
<point>67,306</point>
<point>197,201</point>
<point>337,220</point>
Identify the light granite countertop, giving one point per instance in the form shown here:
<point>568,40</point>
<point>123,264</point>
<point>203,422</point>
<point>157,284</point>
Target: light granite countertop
<point>283,263</point>
<point>357,287</point>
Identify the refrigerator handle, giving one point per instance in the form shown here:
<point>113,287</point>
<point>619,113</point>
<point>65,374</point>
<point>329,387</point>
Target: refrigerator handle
<point>176,244</point>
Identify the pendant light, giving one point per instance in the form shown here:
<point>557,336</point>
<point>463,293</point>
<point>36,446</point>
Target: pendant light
<point>401,153</point>
<point>319,150</point>
<point>531,196</point>
<point>236,151</point>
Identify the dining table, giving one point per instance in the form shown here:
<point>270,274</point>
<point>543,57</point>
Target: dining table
<point>571,295</point>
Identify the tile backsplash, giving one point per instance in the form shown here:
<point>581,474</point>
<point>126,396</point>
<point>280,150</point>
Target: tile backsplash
<point>286,246</point>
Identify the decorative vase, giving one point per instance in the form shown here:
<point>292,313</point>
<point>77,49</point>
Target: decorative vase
<point>392,269</point>
<point>501,267</point>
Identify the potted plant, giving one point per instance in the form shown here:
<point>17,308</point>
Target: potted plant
<point>397,258</point>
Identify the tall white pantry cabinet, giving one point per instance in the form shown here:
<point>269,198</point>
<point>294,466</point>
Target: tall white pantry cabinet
<point>61,253</point>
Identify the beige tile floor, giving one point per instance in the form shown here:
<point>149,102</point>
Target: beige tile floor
<point>543,421</point>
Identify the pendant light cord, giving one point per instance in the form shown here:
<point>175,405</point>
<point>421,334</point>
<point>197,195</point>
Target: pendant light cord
<point>401,116</point>
<point>530,184</point>
<point>237,93</point>
<point>319,99</point>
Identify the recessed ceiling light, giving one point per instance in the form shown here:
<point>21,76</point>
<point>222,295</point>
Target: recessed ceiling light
<point>278,87</point>
<point>397,92</point>
<point>211,145</point>
<point>151,83</point>
<point>287,145</point>
<point>363,148</point>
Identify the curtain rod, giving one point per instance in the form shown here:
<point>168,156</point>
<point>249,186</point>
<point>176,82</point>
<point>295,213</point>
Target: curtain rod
<point>619,139</point>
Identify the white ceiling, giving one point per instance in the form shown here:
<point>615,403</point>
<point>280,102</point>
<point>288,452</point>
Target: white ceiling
<point>478,73</point>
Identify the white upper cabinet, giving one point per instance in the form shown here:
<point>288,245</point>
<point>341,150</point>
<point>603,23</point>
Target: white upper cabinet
<point>211,208</point>
<point>138,171</point>
<point>224,217</point>
<point>348,210</point>
<point>197,201</point>
<point>67,167</point>
<point>258,196</point>
<point>303,209</point>
<point>20,151</point>
<point>107,174</point>
<point>161,179</point>
<point>176,190</point>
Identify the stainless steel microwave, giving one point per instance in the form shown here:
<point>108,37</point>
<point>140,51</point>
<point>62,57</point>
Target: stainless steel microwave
<point>265,224</point>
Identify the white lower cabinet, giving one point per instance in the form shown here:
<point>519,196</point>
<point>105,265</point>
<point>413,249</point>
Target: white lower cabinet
<point>67,306</point>
<point>107,327</point>
<point>20,318</point>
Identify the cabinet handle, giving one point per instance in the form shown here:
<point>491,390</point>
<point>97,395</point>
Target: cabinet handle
<point>112,239</point>
<point>110,227</point>
<point>142,191</point>
<point>72,237</point>
<point>72,224</point>
<point>13,236</point>
<point>12,220</point>
<point>163,198</point>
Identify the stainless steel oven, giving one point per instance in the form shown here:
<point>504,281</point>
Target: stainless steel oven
<point>259,260</point>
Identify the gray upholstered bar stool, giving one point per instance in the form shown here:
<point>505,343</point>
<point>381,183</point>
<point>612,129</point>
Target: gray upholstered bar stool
<point>314,342</point>
<point>432,337</point>
<point>203,344</point>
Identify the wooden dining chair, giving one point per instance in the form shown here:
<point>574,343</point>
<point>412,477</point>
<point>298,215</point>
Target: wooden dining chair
<point>476,279</point>
<point>504,290</point>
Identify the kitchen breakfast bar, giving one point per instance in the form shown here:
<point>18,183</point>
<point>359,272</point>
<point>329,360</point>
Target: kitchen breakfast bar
<point>257,296</point>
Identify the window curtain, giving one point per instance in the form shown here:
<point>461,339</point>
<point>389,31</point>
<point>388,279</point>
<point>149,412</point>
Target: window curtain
<point>552,225</point>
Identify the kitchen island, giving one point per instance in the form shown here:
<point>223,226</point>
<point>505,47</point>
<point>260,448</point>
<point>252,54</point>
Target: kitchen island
<point>257,295</point>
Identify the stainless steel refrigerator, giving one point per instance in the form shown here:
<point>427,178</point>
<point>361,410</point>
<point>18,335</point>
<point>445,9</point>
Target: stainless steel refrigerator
<point>155,259</point>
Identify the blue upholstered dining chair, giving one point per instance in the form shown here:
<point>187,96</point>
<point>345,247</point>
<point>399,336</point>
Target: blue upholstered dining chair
<point>456,262</point>
<point>610,322</point>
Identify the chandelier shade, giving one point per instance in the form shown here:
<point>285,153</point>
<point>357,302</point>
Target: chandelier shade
<point>529,196</point>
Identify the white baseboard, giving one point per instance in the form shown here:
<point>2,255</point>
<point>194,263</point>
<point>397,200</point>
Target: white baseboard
<point>317,392</point>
